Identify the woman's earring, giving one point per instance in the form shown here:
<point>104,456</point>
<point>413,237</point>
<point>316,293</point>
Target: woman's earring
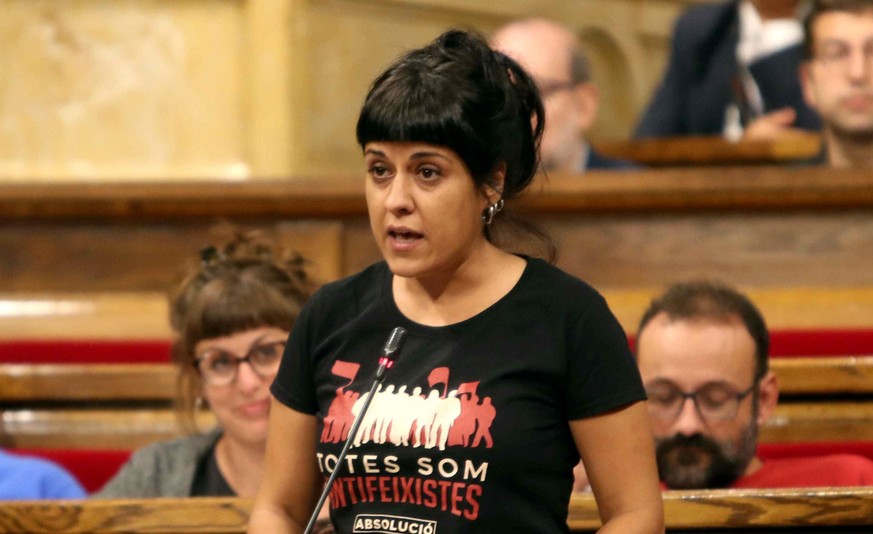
<point>491,211</point>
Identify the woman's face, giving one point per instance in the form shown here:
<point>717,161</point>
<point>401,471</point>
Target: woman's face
<point>240,399</point>
<point>425,210</point>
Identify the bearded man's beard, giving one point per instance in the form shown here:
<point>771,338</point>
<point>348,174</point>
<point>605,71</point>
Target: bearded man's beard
<point>698,462</point>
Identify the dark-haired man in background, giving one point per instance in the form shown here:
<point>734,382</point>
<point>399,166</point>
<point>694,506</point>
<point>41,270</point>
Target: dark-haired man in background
<point>838,78</point>
<point>702,349</point>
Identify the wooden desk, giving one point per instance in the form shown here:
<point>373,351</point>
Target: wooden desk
<point>794,510</point>
<point>712,150</point>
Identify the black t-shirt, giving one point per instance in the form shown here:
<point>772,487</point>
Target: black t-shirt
<point>469,431</point>
<point>208,480</point>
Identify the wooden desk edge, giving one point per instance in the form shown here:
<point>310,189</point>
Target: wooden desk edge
<point>683,509</point>
<point>670,189</point>
<point>795,507</point>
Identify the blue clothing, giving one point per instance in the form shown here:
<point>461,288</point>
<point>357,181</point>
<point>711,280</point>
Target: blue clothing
<point>701,79</point>
<point>28,477</point>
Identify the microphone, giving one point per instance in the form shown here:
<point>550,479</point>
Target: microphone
<point>386,361</point>
<point>389,352</point>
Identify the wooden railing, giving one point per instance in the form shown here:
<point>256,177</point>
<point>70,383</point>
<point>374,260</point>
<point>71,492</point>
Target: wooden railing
<point>714,150</point>
<point>686,189</point>
<point>796,510</point>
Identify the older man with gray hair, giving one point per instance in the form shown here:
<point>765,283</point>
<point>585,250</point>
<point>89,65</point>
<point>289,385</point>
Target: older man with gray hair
<point>553,55</point>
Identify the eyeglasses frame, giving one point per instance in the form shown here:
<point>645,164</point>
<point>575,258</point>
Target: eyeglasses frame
<point>238,360</point>
<point>693,396</point>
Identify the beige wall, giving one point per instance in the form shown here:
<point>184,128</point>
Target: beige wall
<point>169,89</point>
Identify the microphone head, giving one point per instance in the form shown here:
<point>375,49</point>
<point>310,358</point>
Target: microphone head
<point>394,341</point>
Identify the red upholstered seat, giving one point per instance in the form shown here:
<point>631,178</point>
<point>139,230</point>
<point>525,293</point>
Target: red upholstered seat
<point>817,342</point>
<point>85,351</point>
<point>796,342</point>
<point>92,467</point>
<point>788,450</point>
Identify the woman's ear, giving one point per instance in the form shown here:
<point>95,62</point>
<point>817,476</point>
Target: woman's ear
<point>498,179</point>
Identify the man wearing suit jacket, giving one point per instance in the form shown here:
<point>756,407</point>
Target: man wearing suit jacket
<point>553,56</point>
<point>733,71</point>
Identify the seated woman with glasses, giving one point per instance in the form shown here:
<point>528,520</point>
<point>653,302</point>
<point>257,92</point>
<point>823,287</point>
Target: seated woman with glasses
<point>231,317</point>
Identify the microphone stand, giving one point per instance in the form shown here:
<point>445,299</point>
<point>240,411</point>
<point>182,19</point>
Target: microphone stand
<point>385,363</point>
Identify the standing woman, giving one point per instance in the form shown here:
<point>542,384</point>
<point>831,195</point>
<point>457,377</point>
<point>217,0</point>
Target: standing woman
<point>510,370</point>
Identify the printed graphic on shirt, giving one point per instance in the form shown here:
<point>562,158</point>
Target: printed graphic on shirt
<point>430,419</point>
<point>366,523</point>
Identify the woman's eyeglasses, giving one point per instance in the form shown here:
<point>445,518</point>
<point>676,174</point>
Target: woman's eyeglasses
<point>219,367</point>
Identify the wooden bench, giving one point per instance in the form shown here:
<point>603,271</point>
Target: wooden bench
<point>127,405</point>
<point>820,401</point>
<point>796,510</point>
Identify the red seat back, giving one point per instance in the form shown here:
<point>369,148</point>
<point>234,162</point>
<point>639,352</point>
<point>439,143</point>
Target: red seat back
<point>85,351</point>
<point>817,342</point>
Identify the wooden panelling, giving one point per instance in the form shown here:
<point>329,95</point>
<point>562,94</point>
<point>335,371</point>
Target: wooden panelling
<point>121,382</point>
<point>87,427</point>
<point>824,376</point>
<point>69,383</point>
<point>819,421</point>
<point>105,314</point>
<point>108,257</point>
<point>129,405</point>
<point>800,242</point>
<point>782,307</point>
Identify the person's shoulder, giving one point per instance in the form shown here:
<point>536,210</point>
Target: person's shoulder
<point>708,13</point>
<point>30,464</point>
<point>368,278</point>
<point>178,450</point>
<point>548,279</point>
<point>49,479</point>
<point>699,21</point>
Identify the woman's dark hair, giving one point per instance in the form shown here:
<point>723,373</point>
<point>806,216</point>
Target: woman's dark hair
<point>246,282</point>
<point>458,93</point>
